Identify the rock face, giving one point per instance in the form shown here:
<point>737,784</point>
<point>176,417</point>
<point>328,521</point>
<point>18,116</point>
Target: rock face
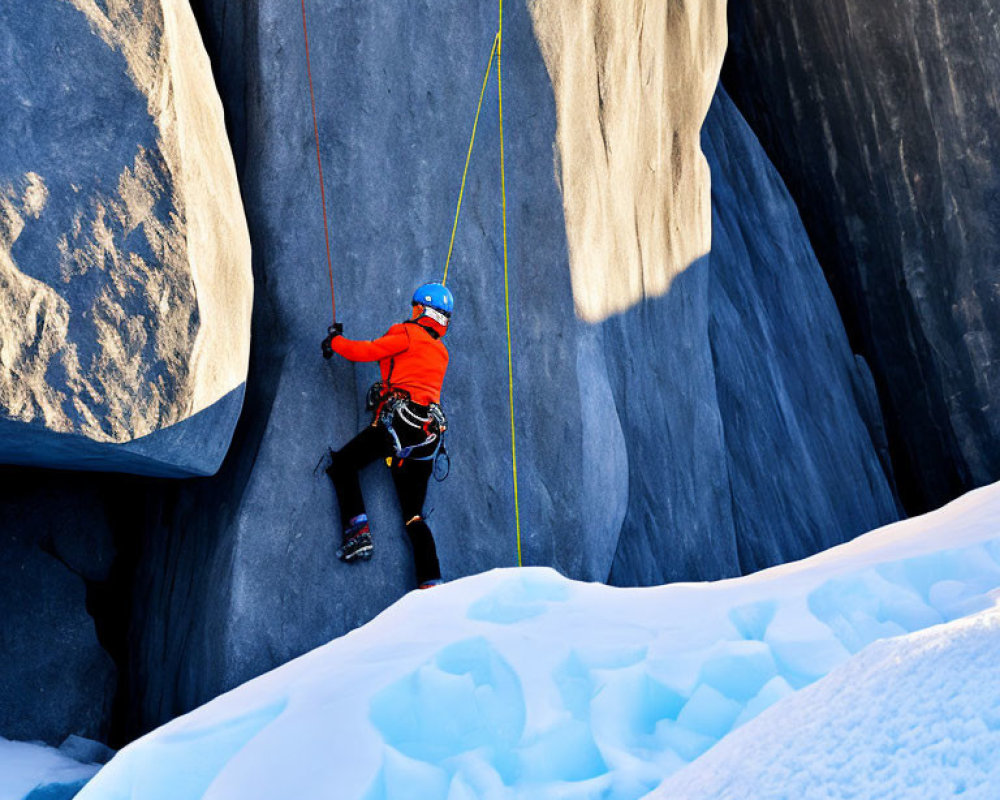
<point>762,420</point>
<point>882,117</point>
<point>125,286</point>
<point>805,443</point>
<point>710,428</point>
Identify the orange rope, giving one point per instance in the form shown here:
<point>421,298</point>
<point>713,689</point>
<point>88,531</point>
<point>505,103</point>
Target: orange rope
<point>319,162</point>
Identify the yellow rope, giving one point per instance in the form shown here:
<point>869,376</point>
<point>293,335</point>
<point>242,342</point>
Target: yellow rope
<point>506,288</point>
<point>468,157</point>
<point>495,52</point>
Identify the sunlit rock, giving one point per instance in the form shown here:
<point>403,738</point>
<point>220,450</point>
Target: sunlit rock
<point>125,284</point>
<point>632,84</point>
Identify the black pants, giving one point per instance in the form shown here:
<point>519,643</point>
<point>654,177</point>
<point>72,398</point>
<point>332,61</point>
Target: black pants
<point>410,479</point>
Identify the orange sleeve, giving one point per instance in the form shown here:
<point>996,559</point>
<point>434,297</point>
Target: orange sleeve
<point>391,344</point>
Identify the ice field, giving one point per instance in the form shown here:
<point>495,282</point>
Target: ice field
<point>25,767</point>
<point>523,684</point>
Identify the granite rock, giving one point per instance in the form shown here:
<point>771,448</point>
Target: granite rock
<point>804,438</point>
<point>882,118</point>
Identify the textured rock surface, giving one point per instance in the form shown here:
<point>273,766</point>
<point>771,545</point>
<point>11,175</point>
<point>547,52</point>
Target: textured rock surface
<point>883,117</point>
<point>762,416</point>
<point>55,679</point>
<point>800,416</point>
<point>125,286</point>
<point>625,461</point>
<point>632,83</point>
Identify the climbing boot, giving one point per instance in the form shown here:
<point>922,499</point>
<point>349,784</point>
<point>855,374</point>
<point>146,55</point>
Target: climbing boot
<point>357,544</point>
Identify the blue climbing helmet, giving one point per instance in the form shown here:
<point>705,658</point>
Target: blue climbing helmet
<point>436,296</point>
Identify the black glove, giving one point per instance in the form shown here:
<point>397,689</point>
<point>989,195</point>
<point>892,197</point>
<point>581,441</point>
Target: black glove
<point>335,330</point>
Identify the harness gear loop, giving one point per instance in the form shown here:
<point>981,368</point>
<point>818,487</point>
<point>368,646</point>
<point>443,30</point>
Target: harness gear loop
<point>395,407</point>
<point>319,162</point>
<point>468,158</point>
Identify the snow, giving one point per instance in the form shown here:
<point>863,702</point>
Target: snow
<point>912,717</point>
<point>520,684</point>
<point>25,766</point>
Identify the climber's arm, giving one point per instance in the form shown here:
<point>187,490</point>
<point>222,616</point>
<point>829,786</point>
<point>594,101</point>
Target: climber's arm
<point>391,344</point>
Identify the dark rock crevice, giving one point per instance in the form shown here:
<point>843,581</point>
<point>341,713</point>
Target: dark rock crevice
<point>110,600</point>
<point>55,541</point>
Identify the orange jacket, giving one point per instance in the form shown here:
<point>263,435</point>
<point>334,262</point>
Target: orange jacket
<point>409,356</point>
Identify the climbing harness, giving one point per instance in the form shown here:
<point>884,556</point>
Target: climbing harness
<point>417,431</point>
<point>423,416</point>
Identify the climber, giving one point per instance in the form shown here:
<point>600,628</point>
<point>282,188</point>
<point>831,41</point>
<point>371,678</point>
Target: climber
<point>407,425</point>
